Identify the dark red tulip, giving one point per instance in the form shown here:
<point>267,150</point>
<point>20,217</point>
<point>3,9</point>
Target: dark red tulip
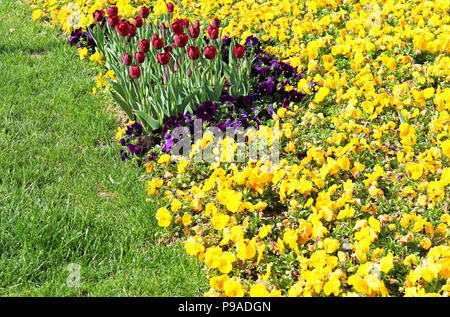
<point>181,40</point>
<point>213,32</point>
<point>177,26</point>
<point>144,12</point>
<point>157,42</point>
<point>193,52</point>
<point>163,58</point>
<point>144,45</point>
<point>194,32</point>
<point>170,7</point>
<point>122,28</point>
<point>210,52</point>
<point>127,59</point>
<point>112,11</point>
<point>238,51</point>
<point>99,15</point>
<point>135,72</point>
<point>139,57</point>
<point>138,22</point>
<point>215,22</point>
<point>168,49</point>
<point>113,20</point>
<point>185,22</point>
<point>131,30</point>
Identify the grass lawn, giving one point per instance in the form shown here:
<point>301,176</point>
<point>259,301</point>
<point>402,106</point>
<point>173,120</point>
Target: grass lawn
<point>65,196</point>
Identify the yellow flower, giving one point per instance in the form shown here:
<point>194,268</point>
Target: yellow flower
<point>165,158</point>
<point>414,169</point>
<point>264,231</point>
<point>219,220</point>
<point>446,147</point>
<point>226,262</point>
<point>194,246</point>
<point>212,257</point>
<point>425,243</point>
<point>259,290</point>
<point>233,288</point>
<point>82,52</point>
<point>97,57</point>
<point>332,286</point>
<point>386,263</point>
<point>175,205</point>
<point>164,217</point>
<point>36,14</point>
<point>187,219</point>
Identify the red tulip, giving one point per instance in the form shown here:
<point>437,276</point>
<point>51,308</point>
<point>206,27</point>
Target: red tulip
<point>131,30</point>
<point>163,58</point>
<point>113,20</point>
<point>194,32</point>
<point>213,32</point>
<point>99,15</point>
<point>181,40</point>
<point>238,51</point>
<point>127,59</point>
<point>177,26</point>
<point>144,12</point>
<point>139,57</point>
<point>193,52</point>
<point>157,42</point>
<point>144,45</point>
<point>170,7</point>
<point>135,72</point>
<point>138,22</point>
<point>122,28</point>
<point>215,22</point>
<point>168,49</point>
<point>210,52</point>
<point>112,11</point>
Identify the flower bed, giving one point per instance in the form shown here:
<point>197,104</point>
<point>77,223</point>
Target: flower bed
<point>357,202</point>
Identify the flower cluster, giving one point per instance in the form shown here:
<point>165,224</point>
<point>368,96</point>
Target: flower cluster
<point>358,203</point>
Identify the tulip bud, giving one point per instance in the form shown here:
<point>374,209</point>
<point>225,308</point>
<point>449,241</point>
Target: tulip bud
<point>127,59</point>
<point>210,52</point>
<point>139,57</point>
<point>197,24</point>
<point>165,76</point>
<point>175,64</point>
<point>163,30</point>
<point>112,11</point>
<point>170,7</point>
<point>144,12</point>
<point>189,72</point>
<point>135,72</point>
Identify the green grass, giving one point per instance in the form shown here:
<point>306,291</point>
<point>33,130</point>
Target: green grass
<point>58,204</point>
